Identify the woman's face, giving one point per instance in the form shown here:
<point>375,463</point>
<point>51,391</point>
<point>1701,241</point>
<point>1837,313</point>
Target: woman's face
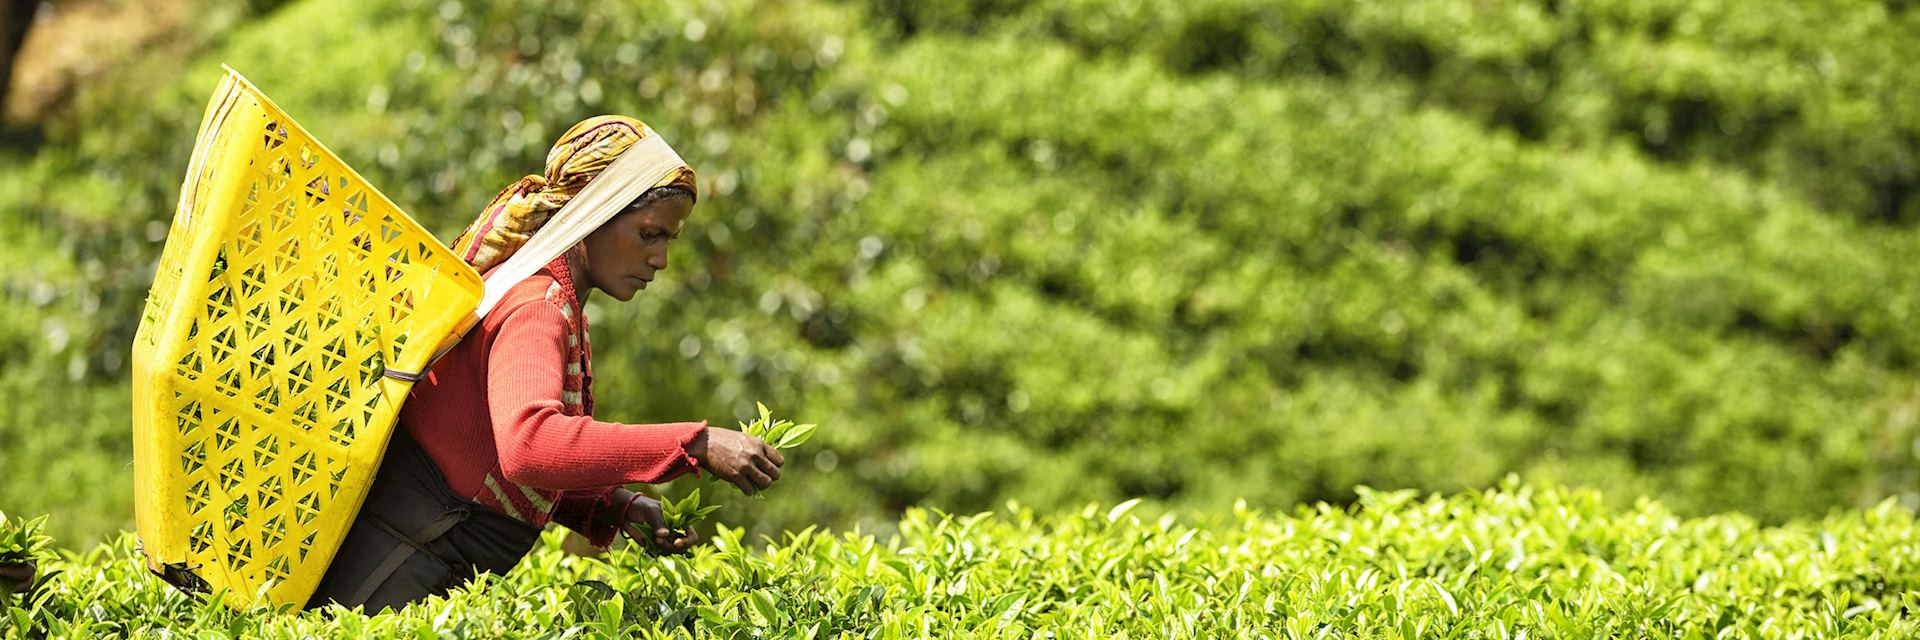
<point>626,253</point>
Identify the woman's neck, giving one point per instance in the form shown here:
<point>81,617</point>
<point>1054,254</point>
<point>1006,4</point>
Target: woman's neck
<point>577,272</point>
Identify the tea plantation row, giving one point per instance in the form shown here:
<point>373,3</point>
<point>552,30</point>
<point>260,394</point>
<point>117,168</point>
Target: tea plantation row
<point>1814,96</point>
<point>1507,563</point>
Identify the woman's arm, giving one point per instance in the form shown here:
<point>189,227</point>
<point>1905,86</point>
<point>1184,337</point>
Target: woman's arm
<point>542,447</point>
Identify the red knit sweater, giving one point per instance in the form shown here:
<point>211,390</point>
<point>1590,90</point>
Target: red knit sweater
<point>507,415</point>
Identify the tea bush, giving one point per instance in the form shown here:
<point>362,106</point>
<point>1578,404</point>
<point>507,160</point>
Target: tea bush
<point>1827,111</point>
<point>1505,563</point>
<point>1065,251</point>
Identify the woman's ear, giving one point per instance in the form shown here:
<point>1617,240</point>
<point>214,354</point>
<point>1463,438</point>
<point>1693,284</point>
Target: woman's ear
<point>576,257</point>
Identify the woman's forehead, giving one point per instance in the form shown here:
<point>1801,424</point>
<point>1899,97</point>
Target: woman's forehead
<point>669,212</point>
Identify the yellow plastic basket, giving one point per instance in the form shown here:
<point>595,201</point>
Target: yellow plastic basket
<point>288,292</point>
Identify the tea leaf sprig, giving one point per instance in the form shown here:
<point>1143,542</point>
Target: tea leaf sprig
<point>682,514</point>
<point>22,539</point>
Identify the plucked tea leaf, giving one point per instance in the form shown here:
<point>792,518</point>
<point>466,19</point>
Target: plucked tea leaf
<point>795,436</point>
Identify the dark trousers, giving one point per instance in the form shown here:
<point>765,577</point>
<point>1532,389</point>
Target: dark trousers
<point>414,538</point>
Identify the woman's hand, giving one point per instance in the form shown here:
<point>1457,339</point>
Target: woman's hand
<point>745,461</point>
<point>644,514</point>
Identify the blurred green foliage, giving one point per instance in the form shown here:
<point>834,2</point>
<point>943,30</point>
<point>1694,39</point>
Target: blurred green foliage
<point>1068,250</point>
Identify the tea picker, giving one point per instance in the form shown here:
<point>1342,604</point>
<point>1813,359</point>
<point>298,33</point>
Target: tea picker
<point>331,406</point>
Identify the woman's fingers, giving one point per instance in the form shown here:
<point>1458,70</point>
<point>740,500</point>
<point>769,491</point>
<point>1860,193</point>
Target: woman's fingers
<point>653,517</point>
<point>637,535</point>
<point>740,480</point>
<point>748,462</point>
<point>768,467</point>
<point>758,477</point>
<point>682,543</point>
<point>687,541</point>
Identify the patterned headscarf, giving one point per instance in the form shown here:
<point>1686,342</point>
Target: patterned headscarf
<point>524,206</point>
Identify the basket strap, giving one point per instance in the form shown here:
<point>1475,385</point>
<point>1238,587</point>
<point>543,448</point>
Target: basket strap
<point>405,548</point>
<point>639,168</point>
<point>410,376</point>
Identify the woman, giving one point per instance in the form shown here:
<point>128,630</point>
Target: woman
<point>500,439</point>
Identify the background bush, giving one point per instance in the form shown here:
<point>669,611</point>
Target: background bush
<point>1064,250</point>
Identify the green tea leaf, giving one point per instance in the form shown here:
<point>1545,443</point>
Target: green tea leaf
<point>764,605</point>
<point>1118,510</point>
<point>795,437</point>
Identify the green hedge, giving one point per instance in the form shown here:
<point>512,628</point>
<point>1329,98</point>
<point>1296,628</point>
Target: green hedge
<point>1512,562</point>
<point>1815,96</point>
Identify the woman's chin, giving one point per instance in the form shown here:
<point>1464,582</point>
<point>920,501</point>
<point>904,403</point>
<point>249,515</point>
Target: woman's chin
<point>621,294</point>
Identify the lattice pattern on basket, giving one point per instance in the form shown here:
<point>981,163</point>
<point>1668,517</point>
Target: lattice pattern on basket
<point>259,416</point>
